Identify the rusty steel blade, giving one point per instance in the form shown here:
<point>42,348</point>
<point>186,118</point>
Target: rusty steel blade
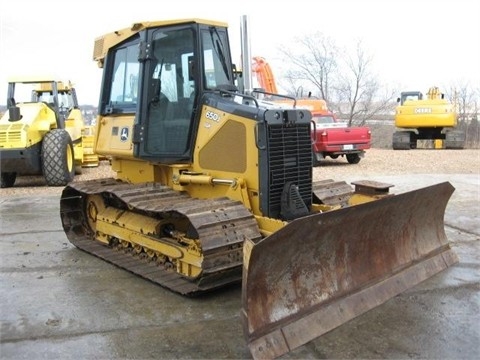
<point>323,270</point>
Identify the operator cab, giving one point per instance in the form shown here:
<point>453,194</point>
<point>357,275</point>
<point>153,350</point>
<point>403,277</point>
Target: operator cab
<point>410,95</point>
<point>158,76</point>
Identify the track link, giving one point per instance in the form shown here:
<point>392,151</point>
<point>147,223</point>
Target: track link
<point>221,225</point>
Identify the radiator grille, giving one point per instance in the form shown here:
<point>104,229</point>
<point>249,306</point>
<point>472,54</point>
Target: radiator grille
<point>290,160</point>
<point>11,133</point>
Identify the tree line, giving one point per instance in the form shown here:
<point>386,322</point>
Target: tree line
<point>351,88</point>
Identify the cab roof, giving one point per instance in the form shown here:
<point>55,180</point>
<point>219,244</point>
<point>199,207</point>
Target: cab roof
<point>105,42</point>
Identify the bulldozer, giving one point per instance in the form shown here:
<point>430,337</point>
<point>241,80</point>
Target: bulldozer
<point>42,132</point>
<point>213,187</point>
<point>426,123</point>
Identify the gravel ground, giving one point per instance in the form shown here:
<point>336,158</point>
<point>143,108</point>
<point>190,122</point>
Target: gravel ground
<point>397,162</point>
<point>376,162</point>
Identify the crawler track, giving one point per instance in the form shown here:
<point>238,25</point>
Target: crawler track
<point>221,225</point>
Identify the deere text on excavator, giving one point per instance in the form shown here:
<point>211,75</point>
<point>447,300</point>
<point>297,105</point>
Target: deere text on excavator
<point>215,187</point>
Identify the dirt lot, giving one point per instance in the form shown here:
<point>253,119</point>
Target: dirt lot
<point>395,162</point>
<point>376,161</point>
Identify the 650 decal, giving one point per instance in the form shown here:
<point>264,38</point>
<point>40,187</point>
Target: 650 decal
<point>212,116</point>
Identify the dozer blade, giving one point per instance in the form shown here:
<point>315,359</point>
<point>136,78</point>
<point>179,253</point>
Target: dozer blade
<point>323,270</point>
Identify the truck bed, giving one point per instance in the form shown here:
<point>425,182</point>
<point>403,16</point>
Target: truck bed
<point>337,139</point>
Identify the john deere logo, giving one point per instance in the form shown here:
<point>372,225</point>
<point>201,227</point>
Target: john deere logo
<point>124,134</point>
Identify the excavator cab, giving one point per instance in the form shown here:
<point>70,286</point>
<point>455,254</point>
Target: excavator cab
<point>409,95</point>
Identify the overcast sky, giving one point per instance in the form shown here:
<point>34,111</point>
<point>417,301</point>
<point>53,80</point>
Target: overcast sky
<point>415,44</point>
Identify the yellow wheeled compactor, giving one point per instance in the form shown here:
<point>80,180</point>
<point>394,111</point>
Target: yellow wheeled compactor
<point>41,133</point>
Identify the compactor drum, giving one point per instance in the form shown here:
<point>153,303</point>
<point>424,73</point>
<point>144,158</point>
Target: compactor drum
<point>214,187</point>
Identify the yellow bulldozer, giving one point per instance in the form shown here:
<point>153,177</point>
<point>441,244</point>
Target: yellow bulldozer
<point>216,187</point>
<point>426,123</point>
<point>42,132</point>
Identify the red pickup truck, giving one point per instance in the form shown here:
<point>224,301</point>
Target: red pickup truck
<point>331,137</point>
<point>334,138</point>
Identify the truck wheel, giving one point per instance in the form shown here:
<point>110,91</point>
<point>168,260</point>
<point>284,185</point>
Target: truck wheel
<point>58,158</point>
<point>353,158</point>
<point>8,179</point>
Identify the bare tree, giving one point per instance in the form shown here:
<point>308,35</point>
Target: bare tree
<point>359,94</point>
<point>345,82</point>
<point>465,99</point>
<point>293,86</point>
<point>313,64</point>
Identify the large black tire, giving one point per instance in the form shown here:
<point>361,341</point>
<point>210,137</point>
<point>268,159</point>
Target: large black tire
<point>8,179</point>
<point>58,158</point>
<point>353,158</point>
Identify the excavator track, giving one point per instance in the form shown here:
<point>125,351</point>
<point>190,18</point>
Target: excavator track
<point>217,227</point>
